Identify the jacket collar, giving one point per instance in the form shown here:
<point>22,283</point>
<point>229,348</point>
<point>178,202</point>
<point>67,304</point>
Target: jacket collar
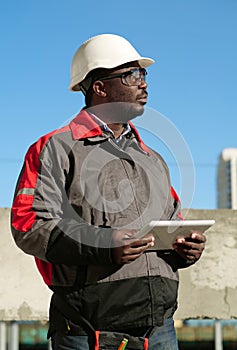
<point>83,127</point>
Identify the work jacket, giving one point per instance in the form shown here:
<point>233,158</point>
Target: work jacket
<point>77,186</point>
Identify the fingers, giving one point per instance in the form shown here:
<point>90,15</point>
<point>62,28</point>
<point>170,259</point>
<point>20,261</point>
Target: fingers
<point>190,248</point>
<point>195,236</point>
<point>126,254</point>
<point>147,240</point>
<point>132,253</point>
<point>125,237</point>
<point>125,249</point>
<point>191,255</point>
<point>198,236</point>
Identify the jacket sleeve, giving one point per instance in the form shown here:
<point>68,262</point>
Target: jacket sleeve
<point>42,221</point>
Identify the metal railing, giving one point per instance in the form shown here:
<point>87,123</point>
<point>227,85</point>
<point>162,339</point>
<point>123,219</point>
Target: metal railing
<point>10,333</point>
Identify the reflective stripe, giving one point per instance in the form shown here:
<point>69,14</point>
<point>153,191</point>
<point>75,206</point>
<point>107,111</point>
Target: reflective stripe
<point>29,191</point>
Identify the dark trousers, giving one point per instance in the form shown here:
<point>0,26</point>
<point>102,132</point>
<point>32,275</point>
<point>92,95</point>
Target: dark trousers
<point>163,338</point>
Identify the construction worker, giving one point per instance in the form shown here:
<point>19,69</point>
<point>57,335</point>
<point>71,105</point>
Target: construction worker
<point>83,192</point>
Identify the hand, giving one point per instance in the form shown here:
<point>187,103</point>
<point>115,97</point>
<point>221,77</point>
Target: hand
<point>125,249</point>
<point>190,248</point>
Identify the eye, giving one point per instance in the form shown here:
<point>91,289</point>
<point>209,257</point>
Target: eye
<point>132,78</point>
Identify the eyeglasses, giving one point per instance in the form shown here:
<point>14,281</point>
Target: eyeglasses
<point>133,77</point>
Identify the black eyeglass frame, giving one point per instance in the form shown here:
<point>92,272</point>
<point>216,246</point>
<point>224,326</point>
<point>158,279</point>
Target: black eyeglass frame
<point>125,74</point>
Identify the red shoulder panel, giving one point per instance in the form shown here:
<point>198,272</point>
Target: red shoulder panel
<point>23,214</point>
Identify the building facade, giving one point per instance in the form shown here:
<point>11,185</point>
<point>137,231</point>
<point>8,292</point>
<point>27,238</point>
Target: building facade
<point>227,179</point>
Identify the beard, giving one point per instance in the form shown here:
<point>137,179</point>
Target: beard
<point>116,112</point>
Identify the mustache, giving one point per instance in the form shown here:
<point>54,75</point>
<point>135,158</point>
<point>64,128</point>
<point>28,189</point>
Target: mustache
<point>144,94</point>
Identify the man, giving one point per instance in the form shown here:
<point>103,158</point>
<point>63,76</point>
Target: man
<point>83,192</point>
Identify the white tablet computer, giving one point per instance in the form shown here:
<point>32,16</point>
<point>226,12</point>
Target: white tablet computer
<point>166,232</point>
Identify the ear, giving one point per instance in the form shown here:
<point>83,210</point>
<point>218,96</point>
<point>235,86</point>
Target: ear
<point>99,88</point>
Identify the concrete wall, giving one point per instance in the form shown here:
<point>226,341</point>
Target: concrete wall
<point>207,289</point>
<point>23,295</point>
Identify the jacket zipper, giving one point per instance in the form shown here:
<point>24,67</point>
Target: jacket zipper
<point>122,161</point>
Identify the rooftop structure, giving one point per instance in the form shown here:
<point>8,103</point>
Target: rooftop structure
<point>227,179</point>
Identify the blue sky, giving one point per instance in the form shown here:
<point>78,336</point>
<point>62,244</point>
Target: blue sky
<point>192,83</point>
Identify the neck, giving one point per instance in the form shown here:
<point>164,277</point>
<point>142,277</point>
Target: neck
<point>117,129</point>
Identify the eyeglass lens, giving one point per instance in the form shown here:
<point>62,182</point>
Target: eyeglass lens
<point>135,77</point>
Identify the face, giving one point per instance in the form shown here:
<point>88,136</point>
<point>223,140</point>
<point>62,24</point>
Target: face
<point>122,102</point>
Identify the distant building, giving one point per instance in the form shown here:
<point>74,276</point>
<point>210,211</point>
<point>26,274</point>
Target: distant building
<point>227,179</point>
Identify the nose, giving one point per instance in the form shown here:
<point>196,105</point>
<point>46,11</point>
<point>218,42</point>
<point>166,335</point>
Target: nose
<point>143,84</point>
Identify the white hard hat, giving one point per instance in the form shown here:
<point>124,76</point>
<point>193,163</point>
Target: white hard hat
<point>103,51</point>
